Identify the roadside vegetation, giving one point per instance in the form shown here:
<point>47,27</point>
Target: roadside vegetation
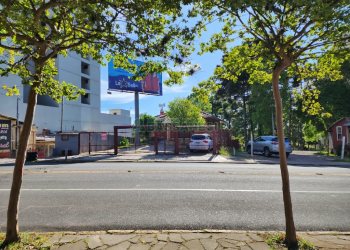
<point>28,241</point>
<point>225,151</point>
<point>277,242</point>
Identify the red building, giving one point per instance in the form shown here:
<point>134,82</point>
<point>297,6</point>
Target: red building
<point>336,132</point>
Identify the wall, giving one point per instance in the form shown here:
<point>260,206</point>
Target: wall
<point>77,116</point>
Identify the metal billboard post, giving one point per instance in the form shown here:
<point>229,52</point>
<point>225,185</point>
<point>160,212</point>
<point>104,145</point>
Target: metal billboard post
<point>137,119</point>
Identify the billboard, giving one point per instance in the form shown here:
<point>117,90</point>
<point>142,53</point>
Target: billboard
<point>5,134</point>
<point>120,80</point>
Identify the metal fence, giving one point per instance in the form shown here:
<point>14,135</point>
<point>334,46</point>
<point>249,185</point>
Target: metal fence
<point>96,142</point>
<point>165,139</point>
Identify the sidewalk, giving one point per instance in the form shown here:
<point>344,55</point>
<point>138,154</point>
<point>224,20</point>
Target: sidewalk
<point>303,158</point>
<point>177,239</point>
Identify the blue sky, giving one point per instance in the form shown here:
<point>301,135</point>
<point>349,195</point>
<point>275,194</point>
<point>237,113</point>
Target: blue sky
<point>150,104</point>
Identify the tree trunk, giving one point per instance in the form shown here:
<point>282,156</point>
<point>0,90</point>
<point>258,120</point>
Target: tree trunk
<point>291,239</point>
<point>12,211</point>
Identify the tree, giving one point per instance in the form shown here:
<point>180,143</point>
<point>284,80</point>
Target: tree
<point>34,32</point>
<point>306,39</point>
<point>184,112</point>
<point>146,119</point>
<point>147,122</point>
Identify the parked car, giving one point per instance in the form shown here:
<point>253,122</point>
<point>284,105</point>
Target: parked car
<point>201,142</point>
<point>268,145</point>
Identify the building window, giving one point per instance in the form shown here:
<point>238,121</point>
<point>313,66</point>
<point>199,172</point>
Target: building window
<point>85,99</point>
<point>85,83</point>
<point>339,133</point>
<point>85,68</point>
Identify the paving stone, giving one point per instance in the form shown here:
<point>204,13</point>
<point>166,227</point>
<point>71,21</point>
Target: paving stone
<point>139,247</point>
<point>239,237</point>
<point>171,246</point>
<point>111,240</point>
<point>148,238</point>
<point>120,231</point>
<point>94,242</point>
<point>70,232</point>
<point>182,247</point>
<point>100,248</point>
<point>321,244</point>
<point>121,246</point>
<point>68,239</point>
<point>232,236</point>
<point>331,239</point>
<point>255,237</point>
<point>209,244</point>
<point>135,239</point>
<point>259,246</point>
<point>194,236</point>
<point>245,248</point>
<point>158,246</point>
<point>175,238</point>
<point>194,245</point>
<point>162,237</point>
<point>146,231</point>
<point>80,245</point>
<point>55,238</point>
<point>344,237</point>
<point>228,242</point>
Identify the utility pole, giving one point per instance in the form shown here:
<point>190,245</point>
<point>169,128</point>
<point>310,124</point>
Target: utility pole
<point>137,119</point>
<point>61,127</point>
<point>17,123</point>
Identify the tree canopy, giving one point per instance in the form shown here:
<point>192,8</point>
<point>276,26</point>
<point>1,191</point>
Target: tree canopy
<point>184,112</point>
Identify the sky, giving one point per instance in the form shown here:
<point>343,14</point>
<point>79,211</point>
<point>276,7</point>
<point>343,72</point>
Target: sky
<point>150,104</point>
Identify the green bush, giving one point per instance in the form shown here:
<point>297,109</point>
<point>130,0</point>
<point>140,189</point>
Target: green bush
<point>124,142</point>
<point>225,151</point>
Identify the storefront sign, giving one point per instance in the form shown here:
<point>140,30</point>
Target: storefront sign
<point>5,134</point>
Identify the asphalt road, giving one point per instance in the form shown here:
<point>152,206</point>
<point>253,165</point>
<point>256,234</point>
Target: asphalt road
<point>96,196</point>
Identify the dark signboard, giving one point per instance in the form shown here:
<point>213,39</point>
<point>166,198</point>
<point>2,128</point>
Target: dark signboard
<point>5,134</point>
<point>120,80</point>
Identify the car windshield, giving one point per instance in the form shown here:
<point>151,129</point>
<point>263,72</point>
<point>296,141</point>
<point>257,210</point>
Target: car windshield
<point>198,137</point>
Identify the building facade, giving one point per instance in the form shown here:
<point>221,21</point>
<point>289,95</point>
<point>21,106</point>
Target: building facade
<point>337,131</point>
<point>83,114</point>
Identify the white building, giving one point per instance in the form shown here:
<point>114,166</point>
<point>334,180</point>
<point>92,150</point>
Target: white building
<point>81,115</point>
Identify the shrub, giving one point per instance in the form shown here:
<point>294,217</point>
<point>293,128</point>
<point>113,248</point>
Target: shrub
<point>124,142</point>
<point>225,151</point>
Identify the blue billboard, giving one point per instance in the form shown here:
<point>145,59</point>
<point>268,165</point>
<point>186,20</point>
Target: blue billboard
<point>120,80</point>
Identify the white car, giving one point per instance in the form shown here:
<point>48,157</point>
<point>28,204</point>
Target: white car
<point>201,142</point>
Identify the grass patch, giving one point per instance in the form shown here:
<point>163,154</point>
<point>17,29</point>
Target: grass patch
<point>323,152</point>
<point>276,241</point>
<point>28,241</point>
<point>224,151</point>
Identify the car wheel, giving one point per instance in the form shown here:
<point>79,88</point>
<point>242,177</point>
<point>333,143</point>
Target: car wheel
<point>267,152</point>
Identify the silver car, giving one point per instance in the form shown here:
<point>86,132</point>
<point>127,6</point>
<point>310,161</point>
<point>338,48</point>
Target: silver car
<point>201,142</point>
<point>268,145</point>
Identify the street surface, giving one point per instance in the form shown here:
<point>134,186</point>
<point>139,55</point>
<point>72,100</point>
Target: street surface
<point>100,196</point>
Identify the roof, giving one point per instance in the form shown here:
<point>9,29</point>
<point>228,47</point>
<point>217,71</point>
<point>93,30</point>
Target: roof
<point>10,118</point>
<point>344,118</point>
